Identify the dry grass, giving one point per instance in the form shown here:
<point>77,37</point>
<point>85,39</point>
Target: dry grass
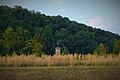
<point>65,60</point>
<point>108,60</point>
<point>61,73</point>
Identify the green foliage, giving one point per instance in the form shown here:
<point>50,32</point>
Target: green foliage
<point>25,31</point>
<point>116,48</point>
<point>34,46</point>
<point>14,53</point>
<point>14,40</point>
<point>36,54</point>
<point>101,49</point>
<point>37,48</point>
<point>9,39</point>
<point>65,51</point>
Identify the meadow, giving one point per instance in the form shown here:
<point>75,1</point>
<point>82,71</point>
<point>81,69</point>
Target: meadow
<point>60,67</point>
<point>59,60</point>
<point>60,73</point>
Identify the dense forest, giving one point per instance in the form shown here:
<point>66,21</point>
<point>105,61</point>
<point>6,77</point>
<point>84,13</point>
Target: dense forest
<point>26,31</point>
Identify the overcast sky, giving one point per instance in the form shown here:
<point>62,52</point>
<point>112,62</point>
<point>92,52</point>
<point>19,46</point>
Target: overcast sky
<point>104,14</point>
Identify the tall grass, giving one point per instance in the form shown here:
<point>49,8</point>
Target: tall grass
<point>107,60</point>
<point>61,60</point>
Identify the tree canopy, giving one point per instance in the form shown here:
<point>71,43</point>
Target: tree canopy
<point>27,31</point>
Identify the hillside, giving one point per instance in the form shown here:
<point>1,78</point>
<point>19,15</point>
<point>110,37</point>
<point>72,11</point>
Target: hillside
<point>24,31</point>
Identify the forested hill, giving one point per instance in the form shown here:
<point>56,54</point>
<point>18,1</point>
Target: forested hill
<point>28,31</point>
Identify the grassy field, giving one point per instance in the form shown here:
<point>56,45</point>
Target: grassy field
<point>61,60</point>
<point>60,73</point>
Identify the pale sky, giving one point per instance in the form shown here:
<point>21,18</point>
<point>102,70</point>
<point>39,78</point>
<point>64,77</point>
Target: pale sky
<point>104,14</point>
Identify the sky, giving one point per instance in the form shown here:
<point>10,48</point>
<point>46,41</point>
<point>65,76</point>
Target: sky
<point>103,14</point>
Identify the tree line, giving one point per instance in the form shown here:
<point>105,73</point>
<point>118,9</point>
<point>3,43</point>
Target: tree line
<point>29,32</point>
